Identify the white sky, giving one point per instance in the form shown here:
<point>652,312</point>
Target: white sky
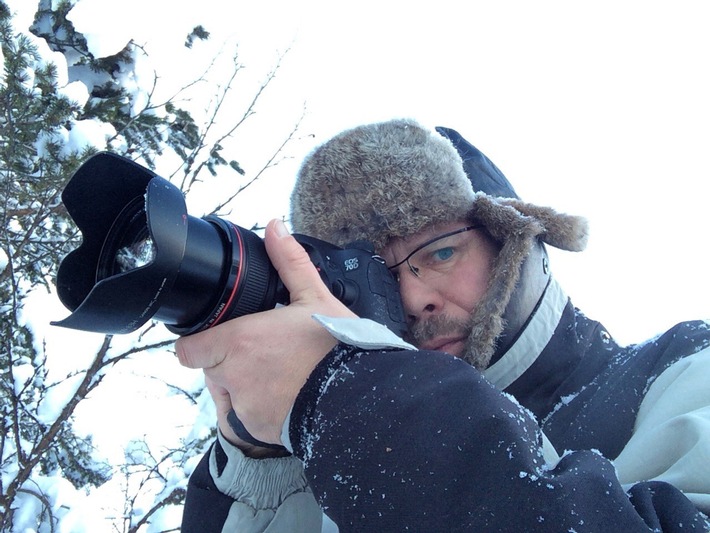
<point>598,109</point>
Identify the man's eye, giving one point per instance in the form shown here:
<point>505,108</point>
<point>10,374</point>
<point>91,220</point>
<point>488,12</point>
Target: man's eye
<point>443,254</point>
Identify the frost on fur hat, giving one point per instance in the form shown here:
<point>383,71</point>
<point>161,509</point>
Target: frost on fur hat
<point>379,181</point>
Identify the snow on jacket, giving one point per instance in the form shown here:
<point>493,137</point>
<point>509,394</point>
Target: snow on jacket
<point>403,440</point>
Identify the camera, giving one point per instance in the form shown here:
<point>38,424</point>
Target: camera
<point>143,257</point>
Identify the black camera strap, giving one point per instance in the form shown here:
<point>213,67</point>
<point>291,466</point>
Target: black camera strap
<point>243,434</point>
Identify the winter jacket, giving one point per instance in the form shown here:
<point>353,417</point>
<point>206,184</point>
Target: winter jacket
<point>393,439</point>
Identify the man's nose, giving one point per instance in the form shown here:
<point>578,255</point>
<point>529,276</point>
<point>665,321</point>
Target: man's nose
<point>419,298</point>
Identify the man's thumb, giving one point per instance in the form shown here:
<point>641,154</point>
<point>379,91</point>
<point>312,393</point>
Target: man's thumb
<point>292,262</point>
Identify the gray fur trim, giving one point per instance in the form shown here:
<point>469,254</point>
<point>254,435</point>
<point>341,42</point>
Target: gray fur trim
<point>563,231</point>
<point>516,234</point>
<point>377,182</point>
<point>517,226</point>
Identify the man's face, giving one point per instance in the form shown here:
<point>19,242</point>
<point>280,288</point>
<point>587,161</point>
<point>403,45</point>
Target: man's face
<point>442,282</point>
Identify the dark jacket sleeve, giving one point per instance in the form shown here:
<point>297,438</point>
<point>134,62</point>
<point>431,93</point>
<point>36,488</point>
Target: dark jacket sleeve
<point>419,441</point>
<point>206,508</point>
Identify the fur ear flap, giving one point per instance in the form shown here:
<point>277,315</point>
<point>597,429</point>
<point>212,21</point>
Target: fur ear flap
<point>503,221</point>
<point>563,231</point>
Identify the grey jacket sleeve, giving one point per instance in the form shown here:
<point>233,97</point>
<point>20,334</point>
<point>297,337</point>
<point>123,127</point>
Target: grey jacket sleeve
<point>229,492</point>
<point>671,439</point>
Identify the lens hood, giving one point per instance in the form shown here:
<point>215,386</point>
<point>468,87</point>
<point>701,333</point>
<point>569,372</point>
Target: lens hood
<point>95,197</point>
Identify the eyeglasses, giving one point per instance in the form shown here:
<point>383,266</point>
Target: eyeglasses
<point>437,256</point>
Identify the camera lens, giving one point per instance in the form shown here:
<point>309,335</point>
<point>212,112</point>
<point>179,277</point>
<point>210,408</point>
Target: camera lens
<point>143,257</point>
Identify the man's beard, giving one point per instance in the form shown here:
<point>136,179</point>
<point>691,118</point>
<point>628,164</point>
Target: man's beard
<point>443,325</point>
<point>436,326</point>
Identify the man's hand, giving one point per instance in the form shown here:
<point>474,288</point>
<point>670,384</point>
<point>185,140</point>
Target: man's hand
<point>259,362</point>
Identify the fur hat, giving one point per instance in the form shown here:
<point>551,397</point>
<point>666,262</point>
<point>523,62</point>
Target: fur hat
<point>378,182</point>
<point>392,179</point>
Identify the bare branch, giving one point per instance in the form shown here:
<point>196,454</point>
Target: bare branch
<point>46,505</point>
<point>176,497</point>
<point>192,173</point>
<point>270,163</point>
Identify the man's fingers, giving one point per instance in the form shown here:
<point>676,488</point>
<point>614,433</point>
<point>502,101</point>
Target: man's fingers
<point>295,268</point>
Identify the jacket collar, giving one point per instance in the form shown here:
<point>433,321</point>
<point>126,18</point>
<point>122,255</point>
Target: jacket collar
<point>532,340</point>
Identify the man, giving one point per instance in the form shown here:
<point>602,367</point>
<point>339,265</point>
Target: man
<point>385,437</point>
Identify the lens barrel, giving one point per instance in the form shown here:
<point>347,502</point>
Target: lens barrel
<point>243,282</point>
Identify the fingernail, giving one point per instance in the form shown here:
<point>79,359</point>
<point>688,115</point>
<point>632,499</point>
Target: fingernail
<point>280,228</point>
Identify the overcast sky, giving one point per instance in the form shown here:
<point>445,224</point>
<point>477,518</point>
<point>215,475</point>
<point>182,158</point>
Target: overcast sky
<point>598,109</point>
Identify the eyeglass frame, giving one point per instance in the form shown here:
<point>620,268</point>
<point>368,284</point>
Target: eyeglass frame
<point>414,270</point>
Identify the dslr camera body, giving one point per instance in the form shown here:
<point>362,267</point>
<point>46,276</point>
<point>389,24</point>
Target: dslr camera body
<point>143,257</point>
